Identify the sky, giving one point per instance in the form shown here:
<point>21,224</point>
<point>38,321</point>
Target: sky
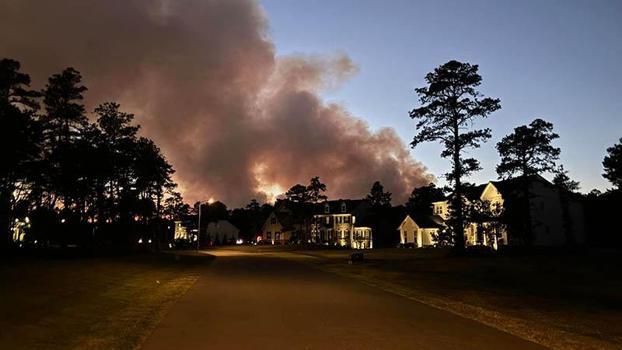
<point>556,60</point>
<point>247,98</point>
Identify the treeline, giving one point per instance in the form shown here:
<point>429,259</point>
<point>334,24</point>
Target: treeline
<point>68,178</point>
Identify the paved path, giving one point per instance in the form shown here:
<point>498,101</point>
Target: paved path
<point>250,301</point>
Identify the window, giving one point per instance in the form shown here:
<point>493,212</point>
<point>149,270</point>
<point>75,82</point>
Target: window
<point>277,236</point>
<point>343,207</point>
<point>327,220</point>
<point>326,208</point>
<point>269,235</point>
<point>273,220</point>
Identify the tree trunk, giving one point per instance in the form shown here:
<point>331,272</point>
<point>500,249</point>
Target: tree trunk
<point>458,225</point>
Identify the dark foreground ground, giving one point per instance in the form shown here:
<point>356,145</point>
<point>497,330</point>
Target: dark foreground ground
<point>89,303</point>
<point>562,299</point>
<point>248,300</point>
<point>253,297</point>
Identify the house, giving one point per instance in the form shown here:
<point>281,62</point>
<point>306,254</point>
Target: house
<point>222,232</point>
<point>527,204</point>
<point>181,232</point>
<point>419,233</point>
<point>335,224</point>
<point>278,227</point>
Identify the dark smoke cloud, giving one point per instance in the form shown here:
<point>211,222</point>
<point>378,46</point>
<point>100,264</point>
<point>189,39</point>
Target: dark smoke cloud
<point>203,79</point>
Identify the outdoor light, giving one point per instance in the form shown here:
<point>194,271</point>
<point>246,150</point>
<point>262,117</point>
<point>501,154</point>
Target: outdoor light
<point>239,241</point>
<point>27,220</point>
<point>140,241</point>
<point>62,221</point>
<point>149,241</point>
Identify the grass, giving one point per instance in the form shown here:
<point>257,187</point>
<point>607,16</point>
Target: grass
<point>89,303</point>
<point>562,301</point>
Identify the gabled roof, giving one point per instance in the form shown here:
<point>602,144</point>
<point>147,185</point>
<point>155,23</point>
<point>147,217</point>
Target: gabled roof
<point>221,226</point>
<point>406,219</point>
<point>425,221</point>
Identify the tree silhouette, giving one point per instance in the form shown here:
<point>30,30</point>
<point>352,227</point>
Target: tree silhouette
<point>315,190</point>
<point>174,206</point>
<point>421,199</point>
<point>563,181</point>
<point>613,165</point>
<point>377,197</point>
<point>528,150</point>
<point>449,105</point>
<point>19,140</point>
<point>298,194</point>
<point>63,121</point>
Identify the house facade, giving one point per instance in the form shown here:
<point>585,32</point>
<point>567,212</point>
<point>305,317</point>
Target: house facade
<point>417,235</point>
<point>335,224</point>
<point>222,232</point>
<point>535,212</point>
<point>277,229</point>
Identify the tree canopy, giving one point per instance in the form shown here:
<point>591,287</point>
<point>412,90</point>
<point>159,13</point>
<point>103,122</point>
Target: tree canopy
<point>528,150</point>
<point>377,197</point>
<point>421,199</point>
<point>612,165</point>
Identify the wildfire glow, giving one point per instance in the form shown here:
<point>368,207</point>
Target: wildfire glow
<point>271,192</point>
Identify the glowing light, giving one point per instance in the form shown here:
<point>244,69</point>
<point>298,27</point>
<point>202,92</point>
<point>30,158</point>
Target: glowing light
<point>210,201</point>
<point>27,219</point>
<point>62,221</point>
<point>149,241</point>
<point>272,192</point>
<point>270,189</point>
<point>140,241</point>
<point>239,241</point>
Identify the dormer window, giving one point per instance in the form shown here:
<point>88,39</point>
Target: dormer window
<point>343,208</point>
<point>326,208</point>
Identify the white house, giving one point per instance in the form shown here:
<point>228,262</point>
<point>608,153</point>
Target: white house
<point>222,231</point>
<point>553,217</point>
<point>181,233</point>
<point>335,224</point>
<point>418,234</point>
<point>278,227</point>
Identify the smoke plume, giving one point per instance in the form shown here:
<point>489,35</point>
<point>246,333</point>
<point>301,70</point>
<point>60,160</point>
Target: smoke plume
<point>203,79</point>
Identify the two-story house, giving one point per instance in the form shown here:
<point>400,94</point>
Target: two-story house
<point>335,224</point>
<point>534,212</point>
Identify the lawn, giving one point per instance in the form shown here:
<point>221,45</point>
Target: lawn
<point>563,301</point>
<point>89,303</point>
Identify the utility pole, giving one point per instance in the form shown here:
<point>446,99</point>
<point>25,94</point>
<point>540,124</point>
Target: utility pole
<point>199,228</point>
